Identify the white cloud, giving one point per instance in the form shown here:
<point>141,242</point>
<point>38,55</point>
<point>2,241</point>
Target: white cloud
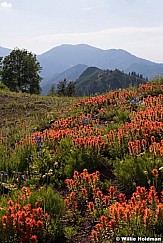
<point>110,33</point>
<point>5,5</point>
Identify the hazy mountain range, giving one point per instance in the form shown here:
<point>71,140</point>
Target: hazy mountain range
<point>59,62</point>
<point>63,57</point>
<point>4,51</point>
<point>63,62</point>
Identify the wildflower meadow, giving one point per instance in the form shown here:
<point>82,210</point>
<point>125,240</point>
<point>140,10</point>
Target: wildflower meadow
<point>82,169</point>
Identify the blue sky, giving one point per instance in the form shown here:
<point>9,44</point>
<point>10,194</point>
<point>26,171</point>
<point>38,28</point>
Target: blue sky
<point>39,25</point>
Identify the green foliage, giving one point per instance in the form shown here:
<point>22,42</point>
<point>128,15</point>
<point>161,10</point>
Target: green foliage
<point>53,204</point>
<point>157,80</point>
<point>70,231</point>
<point>95,80</point>
<point>52,91</point>
<point>65,88</point>
<point>49,200</point>
<point>20,72</point>
<point>48,138</point>
<point>61,87</point>
<point>70,158</point>
<point>132,171</point>
<point>70,89</point>
<point>3,87</point>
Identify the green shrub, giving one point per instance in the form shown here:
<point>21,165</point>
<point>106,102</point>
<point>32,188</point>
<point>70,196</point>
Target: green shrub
<point>53,204</point>
<point>3,87</point>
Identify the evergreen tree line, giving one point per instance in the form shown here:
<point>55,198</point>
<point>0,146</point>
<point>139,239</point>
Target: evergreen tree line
<point>64,88</point>
<point>137,75</point>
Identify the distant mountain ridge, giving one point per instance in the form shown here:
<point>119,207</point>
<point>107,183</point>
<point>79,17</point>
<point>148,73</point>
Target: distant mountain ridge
<point>63,57</point>
<point>4,51</point>
<point>95,80</point>
<point>62,62</point>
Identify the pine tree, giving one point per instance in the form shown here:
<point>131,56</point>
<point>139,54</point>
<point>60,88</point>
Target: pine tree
<point>52,91</point>
<point>61,87</point>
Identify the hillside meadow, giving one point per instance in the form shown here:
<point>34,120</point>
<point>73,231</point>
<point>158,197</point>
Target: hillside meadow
<point>82,169</point>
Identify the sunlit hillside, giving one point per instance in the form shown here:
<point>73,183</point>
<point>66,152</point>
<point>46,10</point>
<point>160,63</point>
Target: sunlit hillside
<point>82,169</point>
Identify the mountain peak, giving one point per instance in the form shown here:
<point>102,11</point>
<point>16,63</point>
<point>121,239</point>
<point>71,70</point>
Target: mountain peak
<point>4,51</point>
<point>63,57</point>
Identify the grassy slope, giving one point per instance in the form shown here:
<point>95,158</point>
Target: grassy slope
<point>32,112</point>
<point>22,115</point>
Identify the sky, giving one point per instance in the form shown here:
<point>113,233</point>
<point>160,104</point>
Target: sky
<point>39,25</point>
